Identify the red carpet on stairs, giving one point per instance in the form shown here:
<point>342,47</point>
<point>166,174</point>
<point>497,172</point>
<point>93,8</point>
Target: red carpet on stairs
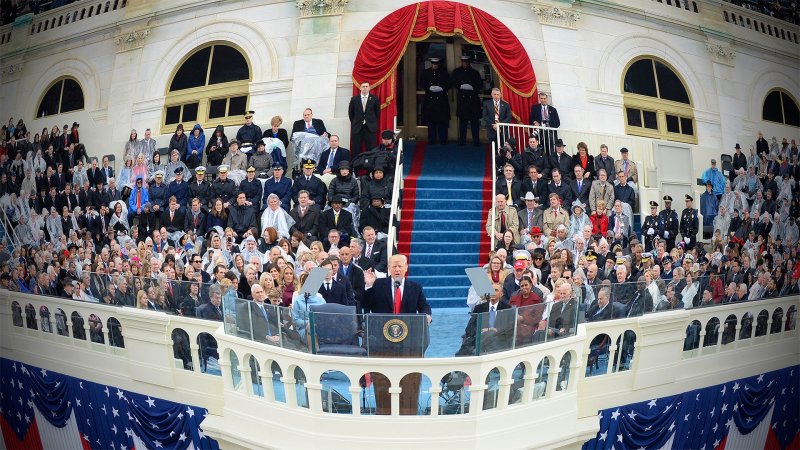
<point>488,181</point>
<point>410,198</point>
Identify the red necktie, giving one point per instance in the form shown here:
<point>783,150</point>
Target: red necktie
<point>398,299</point>
<point>502,221</point>
<point>138,199</point>
<point>195,221</point>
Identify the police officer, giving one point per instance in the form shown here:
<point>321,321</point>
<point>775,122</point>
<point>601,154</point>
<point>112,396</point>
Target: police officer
<point>652,227</point>
<point>670,223</point>
<point>436,106</point>
<point>224,188</point>
<point>467,83</point>
<point>252,188</point>
<point>158,193</point>
<point>200,188</point>
<point>689,223</point>
<point>307,181</point>
<point>248,134</point>
<point>179,189</point>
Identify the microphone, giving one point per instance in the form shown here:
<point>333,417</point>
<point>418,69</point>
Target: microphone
<point>396,284</point>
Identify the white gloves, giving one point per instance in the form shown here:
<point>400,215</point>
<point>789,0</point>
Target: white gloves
<point>466,87</point>
<point>435,89</point>
<point>686,239</point>
<point>650,231</point>
<point>666,235</point>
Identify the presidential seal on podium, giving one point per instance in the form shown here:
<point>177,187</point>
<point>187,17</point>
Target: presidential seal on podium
<point>395,330</point>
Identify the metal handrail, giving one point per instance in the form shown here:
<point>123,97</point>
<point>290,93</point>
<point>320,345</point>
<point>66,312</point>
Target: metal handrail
<point>12,234</point>
<point>394,211</point>
<point>494,191</point>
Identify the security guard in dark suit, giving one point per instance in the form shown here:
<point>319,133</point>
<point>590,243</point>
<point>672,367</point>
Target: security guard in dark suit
<point>252,188</point>
<point>690,223</point>
<point>670,223</point>
<point>652,227</point>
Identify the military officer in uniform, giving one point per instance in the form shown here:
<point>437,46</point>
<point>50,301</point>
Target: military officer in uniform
<point>436,106</point>
<point>651,227</point>
<point>252,188</point>
<point>690,223</point>
<point>158,193</point>
<point>224,188</point>
<point>179,189</point>
<point>670,223</point>
<point>467,82</point>
<point>307,181</point>
<point>248,134</point>
<point>200,188</point>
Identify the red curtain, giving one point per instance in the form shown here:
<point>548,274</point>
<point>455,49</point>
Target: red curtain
<point>384,46</point>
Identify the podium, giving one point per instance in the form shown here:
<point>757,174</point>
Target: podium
<point>396,336</point>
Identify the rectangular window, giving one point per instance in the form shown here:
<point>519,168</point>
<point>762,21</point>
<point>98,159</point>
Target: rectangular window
<point>634,117</point>
<point>189,112</point>
<point>673,124</point>
<point>216,108</point>
<point>173,115</point>
<point>237,106</point>
<point>650,120</point>
<point>687,127</point>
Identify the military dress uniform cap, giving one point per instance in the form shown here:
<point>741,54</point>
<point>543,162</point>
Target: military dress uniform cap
<point>434,60</point>
<point>178,170</point>
<point>307,164</point>
<point>667,198</point>
<point>251,169</point>
<point>277,166</point>
<point>200,170</point>
<point>466,58</point>
<point>689,198</point>
<point>647,256</point>
<point>249,114</point>
<point>591,255</point>
<point>653,204</point>
<point>223,169</point>
<point>387,134</point>
<point>521,254</point>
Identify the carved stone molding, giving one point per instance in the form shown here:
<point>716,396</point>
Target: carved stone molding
<point>11,72</point>
<point>721,53</point>
<point>321,7</point>
<point>131,40</point>
<point>559,16</point>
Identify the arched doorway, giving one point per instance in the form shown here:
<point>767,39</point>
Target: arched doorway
<point>409,73</point>
<point>397,41</point>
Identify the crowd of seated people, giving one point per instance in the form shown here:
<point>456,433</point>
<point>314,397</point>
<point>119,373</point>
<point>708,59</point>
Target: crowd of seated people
<point>780,9</point>
<point>553,228</point>
<point>166,237</point>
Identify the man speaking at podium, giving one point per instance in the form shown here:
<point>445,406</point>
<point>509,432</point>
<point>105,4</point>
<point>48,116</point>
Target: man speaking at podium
<point>395,295</point>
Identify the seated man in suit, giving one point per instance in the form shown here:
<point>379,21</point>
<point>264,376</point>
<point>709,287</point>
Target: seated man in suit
<point>561,317</point>
<point>374,250</point>
<point>599,309</point>
<point>211,310</point>
<point>496,334</point>
<point>337,218</point>
<point>258,321</point>
<point>331,290</point>
<point>308,124</point>
<point>330,159</point>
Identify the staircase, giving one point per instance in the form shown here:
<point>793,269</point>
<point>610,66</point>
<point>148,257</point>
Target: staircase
<point>445,198</point>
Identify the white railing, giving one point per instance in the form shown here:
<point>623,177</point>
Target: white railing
<point>489,406</point>
<point>73,13</point>
<point>395,211</point>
